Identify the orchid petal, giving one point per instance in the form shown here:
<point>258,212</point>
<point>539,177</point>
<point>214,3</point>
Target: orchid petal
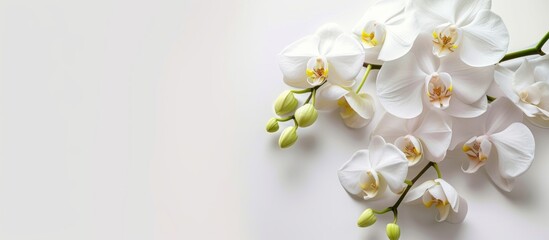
<point>391,127</point>
<point>346,58</point>
<point>539,121</point>
<point>327,96</point>
<point>468,9</point>
<point>418,191</point>
<point>437,192</point>
<point>485,40</point>
<point>400,87</point>
<point>515,147</point>
<point>354,120</point>
<point>458,216</point>
<point>492,169</point>
<point>399,39</point>
<point>293,61</point>
<point>458,108</point>
<point>436,11</point>
<point>393,166</point>
<point>501,113</point>
<point>469,83</point>
<point>443,212</point>
<point>435,132</point>
<point>327,33</point>
<point>505,78</point>
<point>376,150</point>
<point>450,192</point>
<point>524,76</point>
<point>464,128</point>
<point>363,104</point>
<point>351,172</point>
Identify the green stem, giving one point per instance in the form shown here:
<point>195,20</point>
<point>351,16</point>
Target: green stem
<point>314,96</point>
<point>394,207</point>
<point>301,91</point>
<point>490,99</point>
<point>527,52</point>
<point>374,66</point>
<point>439,175</point>
<point>382,211</point>
<point>368,68</point>
<point>284,119</point>
<point>308,98</point>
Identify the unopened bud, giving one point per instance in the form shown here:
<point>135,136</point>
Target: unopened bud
<point>288,137</point>
<point>285,103</point>
<point>272,125</point>
<point>393,231</point>
<point>367,218</point>
<point>306,115</point>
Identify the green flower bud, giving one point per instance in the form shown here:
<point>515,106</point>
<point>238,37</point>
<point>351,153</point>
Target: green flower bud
<point>393,231</point>
<point>367,218</point>
<point>272,125</point>
<point>288,137</point>
<point>306,115</point>
<point>285,103</point>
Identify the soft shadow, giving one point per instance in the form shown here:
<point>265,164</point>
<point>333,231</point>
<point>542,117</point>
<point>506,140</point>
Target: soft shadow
<point>359,135</point>
<point>419,218</point>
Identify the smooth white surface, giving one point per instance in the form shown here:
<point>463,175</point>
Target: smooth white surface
<point>145,120</point>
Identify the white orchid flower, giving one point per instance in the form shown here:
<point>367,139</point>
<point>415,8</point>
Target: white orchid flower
<point>356,109</point>
<point>368,173</point>
<point>503,145</point>
<point>426,136</point>
<point>528,88</point>
<point>419,78</point>
<point>451,207</point>
<point>328,55</point>
<point>464,27</point>
<point>387,31</point>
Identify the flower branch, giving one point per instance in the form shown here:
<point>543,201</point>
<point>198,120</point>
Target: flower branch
<point>527,52</point>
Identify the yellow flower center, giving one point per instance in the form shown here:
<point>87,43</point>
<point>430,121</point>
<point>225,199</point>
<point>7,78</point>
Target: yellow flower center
<point>317,71</point>
<point>445,39</point>
<point>369,38</point>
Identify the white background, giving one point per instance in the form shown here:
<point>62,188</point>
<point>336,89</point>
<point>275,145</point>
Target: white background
<point>145,120</point>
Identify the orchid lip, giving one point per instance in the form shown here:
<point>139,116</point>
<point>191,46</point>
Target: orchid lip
<point>411,147</point>
<point>317,70</point>
<point>439,91</point>
<point>370,184</point>
<point>373,34</point>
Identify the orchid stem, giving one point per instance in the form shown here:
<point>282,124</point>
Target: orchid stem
<point>382,211</point>
<point>527,52</point>
<point>435,165</point>
<point>374,66</point>
<point>394,207</point>
<point>314,96</point>
<point>368,68</point>
<point>309,98</point>
<point>395,216</point>
<point>302,91</point>
<point>284,119</point>
<point>490,98</point>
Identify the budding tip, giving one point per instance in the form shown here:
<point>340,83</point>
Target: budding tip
<point>393,231</point>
